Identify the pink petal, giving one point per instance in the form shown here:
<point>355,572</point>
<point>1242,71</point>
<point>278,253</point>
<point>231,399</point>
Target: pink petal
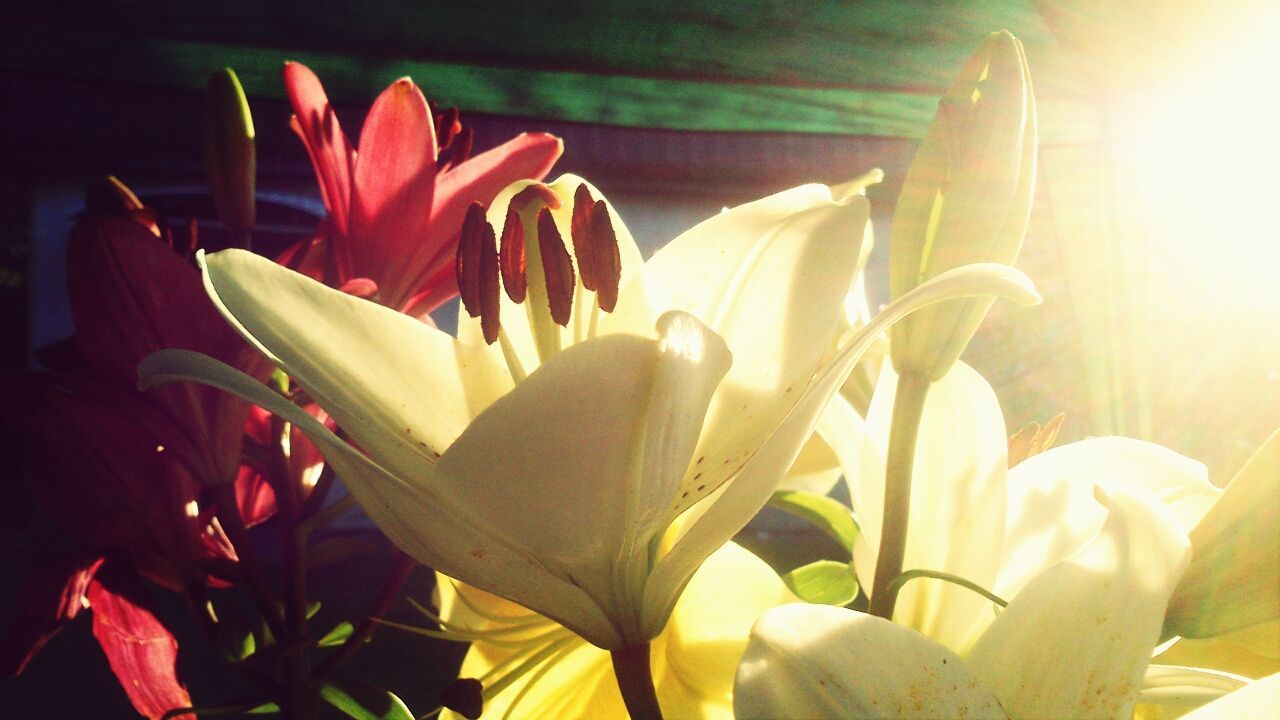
<point>49,599</point>
<point>395,176</point>
<point>141,650</point>
<point>480,179</point>
<point>317,125</point>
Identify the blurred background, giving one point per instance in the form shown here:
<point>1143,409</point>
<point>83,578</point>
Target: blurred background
<point>1152,238</point>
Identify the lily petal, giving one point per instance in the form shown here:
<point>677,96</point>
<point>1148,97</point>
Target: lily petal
<point>1234,580</point>
<point>479,179</point>
<point>394,184</point>
<point>49,599</point>
<point>331,153</point>
<point>630,408</point>
<point>816,661</point>
<point>142,652</point>
<point>1254,701</point>
<point>727,512</point>
<point>131,295</point>
<point>403,403</point>
<point>416,517</point>
<point>1081,633</point>
<point>957,501</point>
<point>1052,510</point>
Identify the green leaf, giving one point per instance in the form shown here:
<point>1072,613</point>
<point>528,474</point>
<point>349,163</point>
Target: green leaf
<point>828,515</point>
<point>313,607</point>
<point>365,702</point>
<point>337,635</point>
<point>825,582</point>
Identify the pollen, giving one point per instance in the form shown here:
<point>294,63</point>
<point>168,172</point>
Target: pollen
<point>477,271</point>
<point>511,259</point>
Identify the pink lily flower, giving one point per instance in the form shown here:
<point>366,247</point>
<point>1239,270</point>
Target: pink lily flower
<point>396,204</point>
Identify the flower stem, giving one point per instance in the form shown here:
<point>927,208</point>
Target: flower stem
<point>635,680</point>
<point>908,408</point>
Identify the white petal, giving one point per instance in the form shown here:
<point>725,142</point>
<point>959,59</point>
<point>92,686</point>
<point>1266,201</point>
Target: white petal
<point>957,501</point>
<point>770,278</point>
<point>417,519</point>
<point>579,464</point>
<point>1077,640</point>
<point>1052,513</point>
<point>401,389</point>
<point>815,661</point>
<point>766,463</point>
<point>1258,700</point>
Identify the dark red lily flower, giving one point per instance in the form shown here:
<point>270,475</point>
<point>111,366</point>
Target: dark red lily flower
<point>397,203</point>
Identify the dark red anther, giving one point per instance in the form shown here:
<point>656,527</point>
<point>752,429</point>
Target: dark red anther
<point>464,696</point>
<point>490,300</point>
<point>557,268</point>
<point>605,258</point>
<point>447,126</point>
<point>511,258</point>
<point>580,230</point>
<point>468,267</point>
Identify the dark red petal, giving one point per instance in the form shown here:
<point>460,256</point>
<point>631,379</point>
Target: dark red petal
<point>394,183</point>
<point>475,228</point>
<point>109,469</point>
<point>490,293</point>
<point>512,258</point>
<point>479,179</point>
<point>317,125</point>
<point>557,267</point>
<point>142,652</point>
<point>130,296</point>
<point>49,599</point>
<point>605,257</point>
<point>580,231</point>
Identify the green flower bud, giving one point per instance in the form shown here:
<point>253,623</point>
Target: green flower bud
<point>228,152</point>
<point>966,199</point>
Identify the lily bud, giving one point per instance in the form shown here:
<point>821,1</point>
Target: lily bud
<point>966,199</point>
<point>229,156</point>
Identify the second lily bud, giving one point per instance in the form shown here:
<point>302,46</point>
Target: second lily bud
<point>966,199</point>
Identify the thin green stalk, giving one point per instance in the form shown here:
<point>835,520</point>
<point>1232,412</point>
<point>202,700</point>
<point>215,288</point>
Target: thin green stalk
<point>908,408</point>
<point>635,680</point>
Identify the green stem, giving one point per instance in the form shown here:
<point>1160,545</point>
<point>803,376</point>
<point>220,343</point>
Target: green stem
<point>908,407</point>
<point>635,680</point>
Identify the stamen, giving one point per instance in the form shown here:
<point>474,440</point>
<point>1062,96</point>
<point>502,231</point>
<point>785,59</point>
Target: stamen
<point>447,127</point>
<point>537,675</point>
<point>477,271</point>
<point>607,258</point>
<point>467,268</point>
<point>580,231</point>
<point>512,260</point>
<point>557,268</point>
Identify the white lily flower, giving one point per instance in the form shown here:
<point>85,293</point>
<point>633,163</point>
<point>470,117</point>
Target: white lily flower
<point>1074,642</point>
<point>552,486</point>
